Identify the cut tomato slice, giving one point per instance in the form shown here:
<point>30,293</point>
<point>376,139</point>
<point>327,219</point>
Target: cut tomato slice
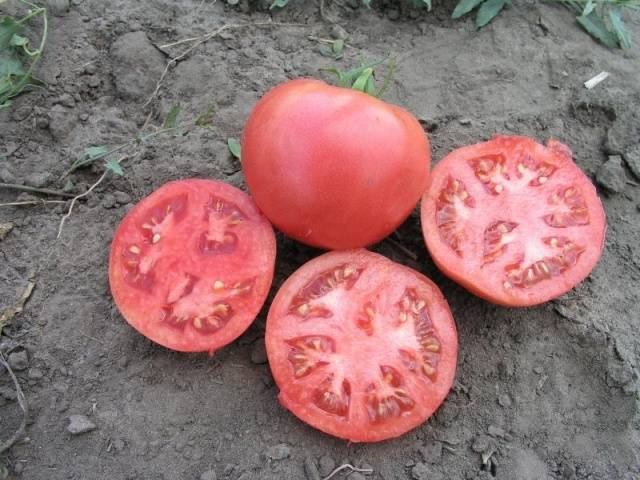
<point>513,221</point>
<point>191,264</point>
<point>361,347</point>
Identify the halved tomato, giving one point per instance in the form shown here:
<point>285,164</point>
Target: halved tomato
<point>191,264</point>
<point>513,221</point>
<point>361,347</point>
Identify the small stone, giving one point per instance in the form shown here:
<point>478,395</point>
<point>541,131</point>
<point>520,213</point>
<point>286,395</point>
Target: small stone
<point>431,452</point>
<point>35,374</point>
<point>326,465</point>
<point>259,353</point>
<point>504,400</point>
<point>339,33</point>
<point>66,100</point>
<point>506,368</point>
<point>393,14</point>
<point>632,157</point>
<point>108,201</point>
<point>37,180</point>
<point>464,121</point>
<point>94,81</point>
<point>496,431</point>
<point>278,452</point>
<point>612,142</point>
<point>58,7</point>
<point>83,117</point>
<point>5,228</point>
<point>480,444</point>
<point>611,175</point>
<point>208,475</point>
<point>118,444</point>
<point>538,369</point>
<point>311,469</point>
<point>90,69</point>
<point>42,123</point>
<point>421,471</point>
<point>79,424</point>
<point>18,360</point>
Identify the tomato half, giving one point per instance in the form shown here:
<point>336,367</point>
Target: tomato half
<point>513,221</point>
<point>191,264</point>
<point>333,167</point>
<point>361,347</point>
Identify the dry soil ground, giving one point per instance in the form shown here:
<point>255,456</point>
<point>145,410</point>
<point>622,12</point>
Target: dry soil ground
<point>541,393</point>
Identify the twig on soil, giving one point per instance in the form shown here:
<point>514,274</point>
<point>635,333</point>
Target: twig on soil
<point>345,466</point>
<point>197,41</point>
<point>22,401</point>
<point>45,191</point>
<point>31,202</point>
<point>78,197</point>
<point>11,312</point>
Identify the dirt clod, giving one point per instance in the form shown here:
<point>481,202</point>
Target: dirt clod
<point>79,424</point>
<point>431,452</point>
<point>632,158</point>
<point>208,475</point>
<point>278,452</point>
<point>326,465</point>
<point>311,469</point>
<point>18,361</point>
<point>611,175</point>
<point>480,444</point>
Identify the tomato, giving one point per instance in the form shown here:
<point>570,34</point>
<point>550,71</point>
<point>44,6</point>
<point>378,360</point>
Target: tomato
<point>513,221</point>
<point>333,167</point>
<point>191,264</point>
<point>361,347</point>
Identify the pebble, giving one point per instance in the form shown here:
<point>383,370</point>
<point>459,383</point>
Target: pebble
<point>18,360</point>
<point>58,7</point>
<point>37,180</point>
<point>208,475</point>
<point>66,99</point>
<point>94,81</point>
<point>119,444</point>
<point>326,465</point>
<point>538,369</point>
<point>278,452</point>
<point>122,197</point>
<point>5,228</point>
<point>42,123</point>
<point>464,121</point>
<point>504,400</point>
<point>35,374</point>
<point>108,201</point>
<point>79,424</point>
<point>612,142</point>
<point>431,452</point>
<point>339,33</point>
<point>421,472</point>
<point>480,444</point>
<point>311,469</point>
<point>611,175</point>
<point>632,157</point>
<point>258,352</point>
<point>506,368</point>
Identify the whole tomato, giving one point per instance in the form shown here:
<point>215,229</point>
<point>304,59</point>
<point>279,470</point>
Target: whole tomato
<point>333,167</point>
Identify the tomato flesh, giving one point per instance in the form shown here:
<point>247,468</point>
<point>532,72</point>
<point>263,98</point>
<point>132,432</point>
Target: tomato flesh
<point>191,264</point>
<point>361,347</point>
<point>333,167</point>
<point>515,222</point>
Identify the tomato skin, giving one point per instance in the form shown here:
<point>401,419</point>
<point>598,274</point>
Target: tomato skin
<point>527,210</point>
<point>253,258</point>
<point>333,167</point>
<point>296,394</point>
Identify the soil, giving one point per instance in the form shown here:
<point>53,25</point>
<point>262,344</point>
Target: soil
<point>541,393</point>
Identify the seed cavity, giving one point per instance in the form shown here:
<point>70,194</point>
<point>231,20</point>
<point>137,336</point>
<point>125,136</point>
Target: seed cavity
<point>453,199</point>
<point>571,208</point>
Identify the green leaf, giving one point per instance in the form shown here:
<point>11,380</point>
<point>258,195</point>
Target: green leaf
<point>205,119</point>
<point>363,80</point>
<point>68,187</point>
<point>172,117</point>
<point>366,3</point>
<point>464,7</point>
<point>114,166</point>
<point>8,28</point>
<point>488,10</point>
<point>94,152</point>
<point>234,147</point>
<point>619,29</point>
<point>337,46</point>
<point>11,66</point>
<point>278,4</point>
<point>588,8</point>
<point>595,26</point>
<point>18,40</point>
<point>427,3</point>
